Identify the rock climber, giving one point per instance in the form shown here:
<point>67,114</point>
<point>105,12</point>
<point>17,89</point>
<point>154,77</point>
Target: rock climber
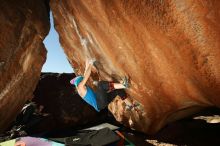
<point>105,92</point>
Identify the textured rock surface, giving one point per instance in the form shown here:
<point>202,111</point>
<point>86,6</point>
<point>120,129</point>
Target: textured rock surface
<point>23,26</point>
<point>169,49</point>
<point>66,107</point>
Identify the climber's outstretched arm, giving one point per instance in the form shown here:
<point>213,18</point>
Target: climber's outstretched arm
<point>87,73</point>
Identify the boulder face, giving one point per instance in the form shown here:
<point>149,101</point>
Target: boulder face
<point>23,26</point>
<point>169,49</point>
<point>60,100</point>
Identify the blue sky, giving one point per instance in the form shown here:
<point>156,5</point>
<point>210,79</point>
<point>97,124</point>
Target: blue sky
<point>56,59</point>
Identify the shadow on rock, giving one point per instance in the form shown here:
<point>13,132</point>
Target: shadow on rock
<point>61,101</point>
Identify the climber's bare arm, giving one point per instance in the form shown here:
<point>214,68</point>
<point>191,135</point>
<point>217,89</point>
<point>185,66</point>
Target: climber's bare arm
<point>87,73</point>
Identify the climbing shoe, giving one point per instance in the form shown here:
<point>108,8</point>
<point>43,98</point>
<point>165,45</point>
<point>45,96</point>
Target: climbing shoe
<point>137,106</point>
<point>125,82</point>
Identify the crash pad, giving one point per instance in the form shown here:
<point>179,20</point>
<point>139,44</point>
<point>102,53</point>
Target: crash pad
<point>8,143</point>
<point>33,141</point>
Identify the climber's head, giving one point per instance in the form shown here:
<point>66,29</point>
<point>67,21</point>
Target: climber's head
<point>75,81</point>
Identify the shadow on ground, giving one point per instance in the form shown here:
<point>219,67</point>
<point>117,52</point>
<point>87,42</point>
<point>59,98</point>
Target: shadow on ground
<point>192,131</point>
<point>201,129</point>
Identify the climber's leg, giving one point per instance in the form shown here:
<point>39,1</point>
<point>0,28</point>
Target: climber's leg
<point>102,95</point>
<point>107,91</point>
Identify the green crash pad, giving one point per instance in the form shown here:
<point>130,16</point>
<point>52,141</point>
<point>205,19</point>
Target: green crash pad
<point>8,143</point>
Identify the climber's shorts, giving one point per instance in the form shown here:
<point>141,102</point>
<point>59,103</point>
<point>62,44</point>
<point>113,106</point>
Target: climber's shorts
<point>105,93</point>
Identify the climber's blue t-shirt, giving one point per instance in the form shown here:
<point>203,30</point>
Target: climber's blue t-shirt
<point>90,98</point>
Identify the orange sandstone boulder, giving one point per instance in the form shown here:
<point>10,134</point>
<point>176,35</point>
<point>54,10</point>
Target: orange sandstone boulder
<point>169,49</point>
<point>23,27</point>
